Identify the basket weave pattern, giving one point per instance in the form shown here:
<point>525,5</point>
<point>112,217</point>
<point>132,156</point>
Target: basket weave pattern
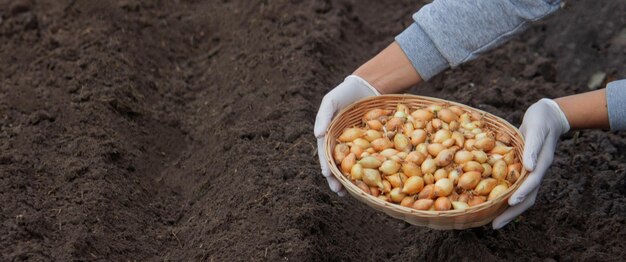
<point>453,219</point>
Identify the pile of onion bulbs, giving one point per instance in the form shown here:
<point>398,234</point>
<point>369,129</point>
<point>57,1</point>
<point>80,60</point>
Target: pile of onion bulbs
<point>435,158</point>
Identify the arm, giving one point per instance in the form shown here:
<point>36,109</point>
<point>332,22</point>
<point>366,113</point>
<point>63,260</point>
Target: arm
<point>390,71</point>
<point>600,109</point>
<point>586,110</point>
<point>447,33</point>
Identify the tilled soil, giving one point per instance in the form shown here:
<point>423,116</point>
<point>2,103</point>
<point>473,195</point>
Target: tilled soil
<point>182,130</point>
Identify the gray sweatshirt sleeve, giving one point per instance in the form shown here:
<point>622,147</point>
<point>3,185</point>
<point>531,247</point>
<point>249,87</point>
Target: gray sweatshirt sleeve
<point>447,33</point>
<point>616,104</point>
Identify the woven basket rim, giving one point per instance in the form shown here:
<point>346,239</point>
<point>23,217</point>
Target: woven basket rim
<point>357,192</point>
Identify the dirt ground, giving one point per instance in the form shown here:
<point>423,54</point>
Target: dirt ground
<point>183,130</point>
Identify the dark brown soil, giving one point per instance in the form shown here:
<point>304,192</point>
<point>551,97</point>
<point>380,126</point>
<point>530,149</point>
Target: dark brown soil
<point>182,130</point>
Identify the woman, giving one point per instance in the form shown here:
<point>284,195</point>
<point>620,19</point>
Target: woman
<point>447,33</point>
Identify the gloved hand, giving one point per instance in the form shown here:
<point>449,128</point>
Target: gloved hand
<point>352,89</point>
<point>544,122</point>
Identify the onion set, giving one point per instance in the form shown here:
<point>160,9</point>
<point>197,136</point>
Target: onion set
<point>436,158</point>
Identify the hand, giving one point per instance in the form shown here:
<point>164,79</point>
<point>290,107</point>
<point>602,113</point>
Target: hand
<point>544,122</point>
<point>352,89</point>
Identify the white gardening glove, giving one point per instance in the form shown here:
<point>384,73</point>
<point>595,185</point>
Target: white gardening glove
<point>543,124</point>
<point>352,89</point>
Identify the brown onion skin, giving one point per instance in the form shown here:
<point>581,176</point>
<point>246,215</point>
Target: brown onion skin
<point>485,186</point>
<point>340,152</point>
<point>350,134</point>
<point>449,142</point>
<point>375,125</point>
<point>371,135</point>
<point>500,150</point>
<point>386,186</point>
<point>372,177</point>
<point>499,170</point>
<point>429,179</point>
<point>454,196</point>
<point>370,162</point>
<point>497,191</point>
<point>423,204</point>
<point>389,167</point>
<point>429,166</point>
<point>443,204</point>
<point>469,180</point>
<point>443,187</point>
<point>423,115</point>
<point>440,174</point>
<point>356,150</point>
<point>473,166</point>
<point>428,192</point>
<point>447,115</point>
<point>463,156</point>
<point>464,197</point>
<point>396,195</point>
<point>415,157</point>
<point>402,142</point>
<point>394,124</point>
<point>411,169</point>
<point>348,162</point>
<point>363,187</point>
<point>356,172</point>
<point>407,201</point>
<point>504,138</point>
<point>485,144</point>
<point>441,136</point>
<point>381,144</point>
<point>375,114</point>
<point>397,180</point>
<point>459,205</point>
<point>413,185</point>
<point>476,200</point>
<point>457,110</point>
<point>418,136</point>
<point>444,157</point>
<point>375,191</point>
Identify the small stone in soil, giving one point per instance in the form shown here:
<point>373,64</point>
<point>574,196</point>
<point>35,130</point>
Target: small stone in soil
<point>596,80</point>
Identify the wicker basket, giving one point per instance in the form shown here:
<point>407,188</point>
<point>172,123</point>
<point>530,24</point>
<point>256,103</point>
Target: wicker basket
<point>475,216</point>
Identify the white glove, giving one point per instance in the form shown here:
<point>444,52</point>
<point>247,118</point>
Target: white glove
<point>543,124</point>
<point>352,89</point>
